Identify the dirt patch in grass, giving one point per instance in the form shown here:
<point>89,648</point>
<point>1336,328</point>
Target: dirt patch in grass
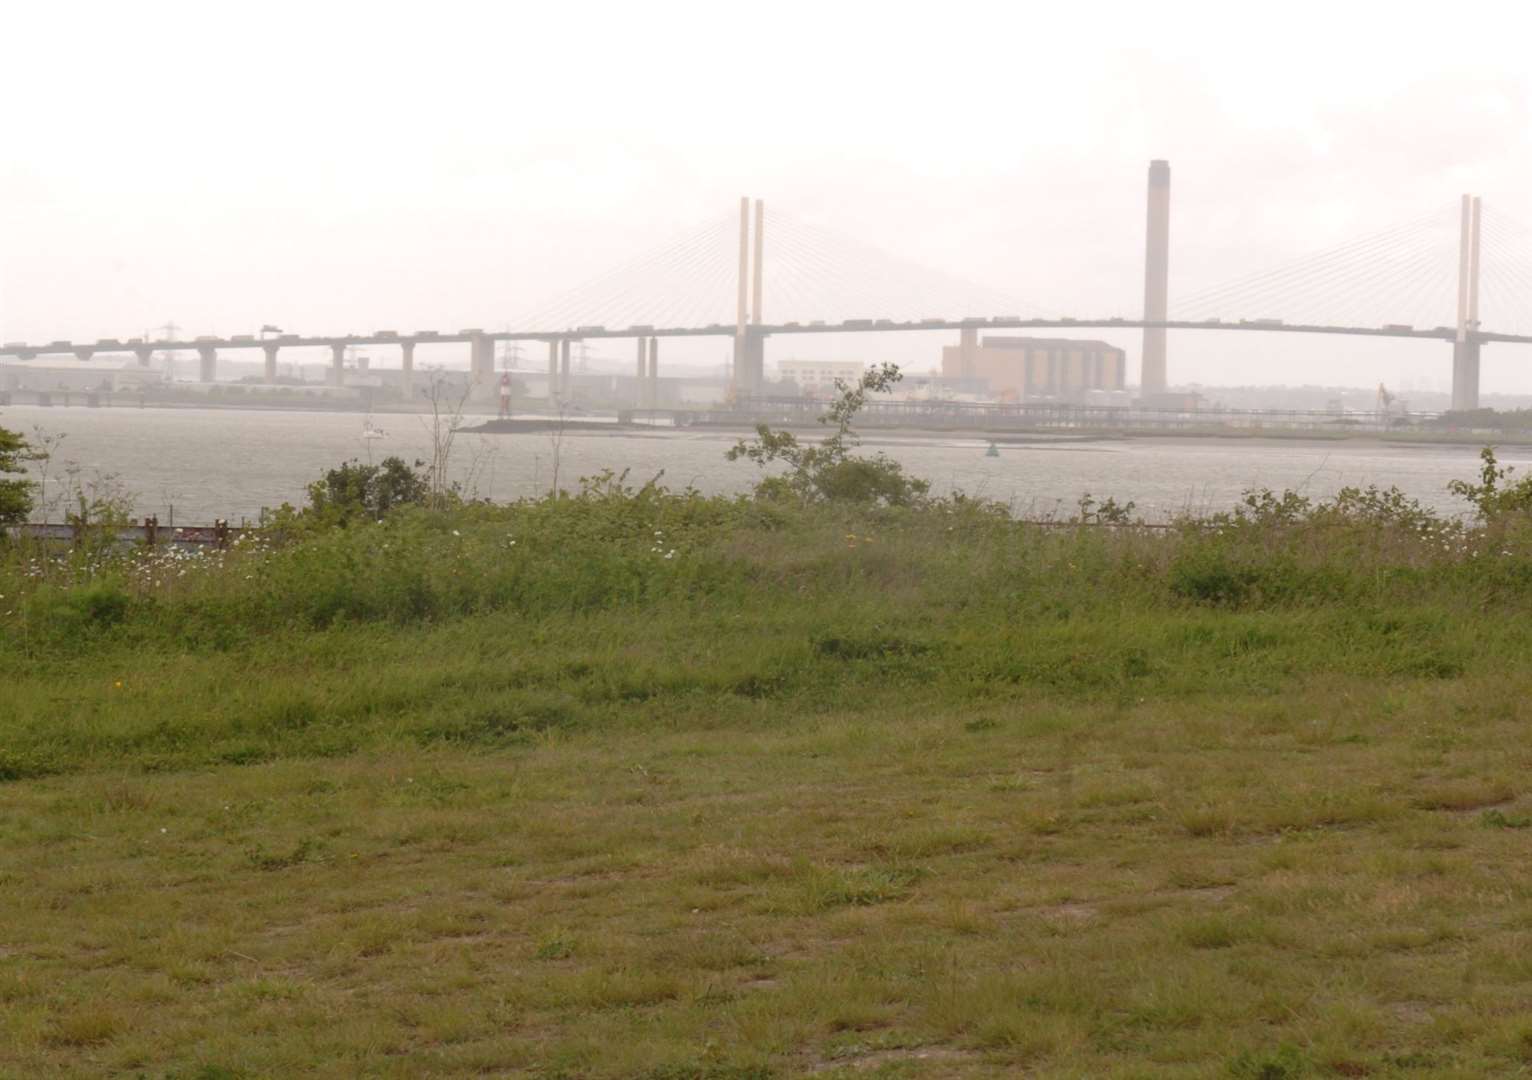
<point>923,1058</point>
<point>1069,913</point>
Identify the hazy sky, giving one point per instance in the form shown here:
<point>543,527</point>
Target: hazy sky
<point>334,166</point>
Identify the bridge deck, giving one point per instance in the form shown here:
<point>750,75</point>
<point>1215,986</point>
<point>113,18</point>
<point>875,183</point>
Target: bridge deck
<point>852,326</point>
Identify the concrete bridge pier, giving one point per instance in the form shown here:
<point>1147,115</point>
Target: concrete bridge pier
<point>407,368</point>
<point>553,369</point>
<point>642,392</point>
<point>564,368</point>
<point>652,379</point>
<point>1465,375</point>
<point>481,356</point>
<point>207,368</point>
<point>270,349</point>
<point>83,352</point>
<point>750,367</point>
<point>145,353</point>
<point>337,363</point>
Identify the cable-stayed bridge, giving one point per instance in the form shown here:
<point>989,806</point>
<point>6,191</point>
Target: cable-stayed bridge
<point>1460,274</point>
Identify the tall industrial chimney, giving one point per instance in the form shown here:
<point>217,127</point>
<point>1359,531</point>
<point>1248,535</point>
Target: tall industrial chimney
<point>1156,278</point>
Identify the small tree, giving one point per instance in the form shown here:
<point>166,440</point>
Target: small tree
<point>1496,494</point>
<point>355,490</point>
<point>447,406</point>
<point>830,471</point>
<point>15,495</point>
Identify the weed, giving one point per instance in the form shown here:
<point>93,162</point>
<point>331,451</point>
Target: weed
<point>306,850</point>
<point>821,889</point>
<point>85,1029</point>
<point>1496,819</point>
<point>555,946</point>
<point>1285,1063</point>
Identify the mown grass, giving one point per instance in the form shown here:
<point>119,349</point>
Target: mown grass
<point>927,792</point>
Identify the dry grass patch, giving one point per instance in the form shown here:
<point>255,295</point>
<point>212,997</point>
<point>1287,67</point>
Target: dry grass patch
<point>814,900</point>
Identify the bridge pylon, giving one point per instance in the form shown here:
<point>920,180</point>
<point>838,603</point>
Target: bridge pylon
<point>749,340</point>
<point>1465,349</point>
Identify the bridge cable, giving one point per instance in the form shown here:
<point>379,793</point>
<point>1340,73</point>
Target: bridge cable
<point>619,283</point>
<point>1301,283</point>
<point>1313,271</point>
<point>887,283</point>
<point>1303,266</point>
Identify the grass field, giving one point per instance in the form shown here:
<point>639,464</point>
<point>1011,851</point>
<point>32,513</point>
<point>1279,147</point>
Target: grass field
<point>666,787</point>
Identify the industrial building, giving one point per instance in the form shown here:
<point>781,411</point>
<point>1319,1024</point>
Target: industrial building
<point>1023,368</point>
<point>56,373</point>
<point>817,378</point>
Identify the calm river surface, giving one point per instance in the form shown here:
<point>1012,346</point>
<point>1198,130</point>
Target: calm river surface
<point>208,463</point>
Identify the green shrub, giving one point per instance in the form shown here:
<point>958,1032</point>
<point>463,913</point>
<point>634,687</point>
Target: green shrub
<point>15,495</point>
<point>366,492</point>
<point>830,472</point>
<point>1212,578</point>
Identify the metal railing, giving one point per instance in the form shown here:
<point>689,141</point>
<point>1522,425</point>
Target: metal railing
<point>220,534</point>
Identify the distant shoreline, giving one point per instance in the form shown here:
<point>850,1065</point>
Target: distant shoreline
<point>485,423</point>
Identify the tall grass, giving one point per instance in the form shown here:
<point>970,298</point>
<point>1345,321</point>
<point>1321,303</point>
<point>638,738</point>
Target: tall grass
<point>485,623</point>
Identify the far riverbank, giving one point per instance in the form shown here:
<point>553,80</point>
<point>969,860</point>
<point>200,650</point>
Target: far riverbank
<point>198,465</point>
<point>481,418</point>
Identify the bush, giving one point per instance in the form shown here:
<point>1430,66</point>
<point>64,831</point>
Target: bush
<point>830,472</point>
<point>1212,578</point>
<point>1495,496</point>
<point>366,492</point>
<point>69,616</point>
<point>15,495</point>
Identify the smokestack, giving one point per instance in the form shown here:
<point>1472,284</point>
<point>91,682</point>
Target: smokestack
<point>1156,278</point>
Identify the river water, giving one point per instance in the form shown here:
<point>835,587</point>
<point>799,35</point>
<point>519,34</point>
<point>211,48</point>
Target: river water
<point>200,464</point>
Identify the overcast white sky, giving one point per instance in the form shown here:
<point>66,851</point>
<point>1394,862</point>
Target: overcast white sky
<point>335,166</point>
